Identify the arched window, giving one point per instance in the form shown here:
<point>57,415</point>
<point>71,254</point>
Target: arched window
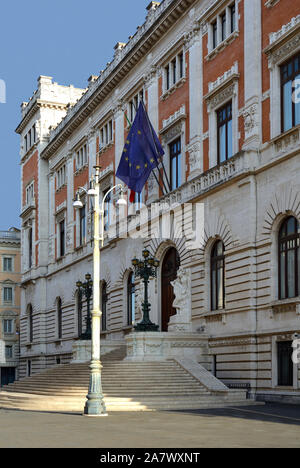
<point>59,318</point>
<point>30,323</point>
<point>289,258</point>
<point>104,300</point>
<point>130,299</point>
<point>218,276</point>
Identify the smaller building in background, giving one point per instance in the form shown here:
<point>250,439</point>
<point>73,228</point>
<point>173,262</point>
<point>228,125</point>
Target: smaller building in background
<point>10,269</point>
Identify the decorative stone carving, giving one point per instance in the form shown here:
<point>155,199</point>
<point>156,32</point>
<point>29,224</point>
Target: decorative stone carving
<point>182,321</point>
<point>276,55</point>
<point>139,299</point>
<point>194,150</point>
<point>250,115</point>
<point>192,36</point>
<point>217,100</point>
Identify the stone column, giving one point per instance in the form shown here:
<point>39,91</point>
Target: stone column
<point>119,134</point>
<point>51,201</point>
<point>70,197</point>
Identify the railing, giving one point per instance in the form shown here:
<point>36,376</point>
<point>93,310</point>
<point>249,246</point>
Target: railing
<point>10,235</point>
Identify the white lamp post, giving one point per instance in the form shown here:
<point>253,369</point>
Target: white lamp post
<point>94,405</point>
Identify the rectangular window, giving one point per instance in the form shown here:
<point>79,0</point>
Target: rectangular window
<point>215,34</point>
<point>7,294</point>
<point>174,77</point>
<point>223,26</point>
<point>224,125</point>
<point>232,18</point>
<point>62,238</point>
<point>285,363</point>
<point>34,133</point>
<point>107,210</point>
<point>175,163</point>
<point>7,264</point>
<point>30,250</point>
<point>29,193</point>
<point>81,157</point>
<point>290,93</point>
<point>180,60</point>
<point>8,352</point>
<point>82,230</point>
<point>61,176</point>
<point>168,77</point>
<point>133,105</point>
<point>7,326</point>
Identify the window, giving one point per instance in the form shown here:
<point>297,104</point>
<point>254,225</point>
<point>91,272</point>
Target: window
<point>285,363</point>
<point>79,311</point>
<point>134,103</point>
<point>82,226</point>
<point>30,232</point>
<point>174,71</point>
<point>104,300</point>
<point>224,125</point>
<point>59,318</point>
<point>30,138</point>
<point>290,84</point>
<point>106,135</point>
<point>7,294</point>
<point>138,200</point>
<point>81,157</point>
<point>130,299</point>
<point>61,238</point>
<point>218,276</point>
<point>30,323</point>
<point>223,26</point>
<point>175,163</point>
<point>289,258</point>
<point>107,209</point>
<point>61,176</point>
<point>8,326</point>
<point>8,352</point>
<point>7,264</point>
<point>29,193</point>
<point>232,18</point>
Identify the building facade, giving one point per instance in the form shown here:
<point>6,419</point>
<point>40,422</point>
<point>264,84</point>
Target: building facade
<point>10,279</point>
<point>219,81</point>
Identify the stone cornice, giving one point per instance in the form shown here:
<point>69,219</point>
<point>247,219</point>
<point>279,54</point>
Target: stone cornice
<point>35,106</point>
<point>163,18</point>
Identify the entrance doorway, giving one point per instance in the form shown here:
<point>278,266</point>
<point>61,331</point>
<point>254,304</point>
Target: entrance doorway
<point>7,375</point>
<point>170,266</point>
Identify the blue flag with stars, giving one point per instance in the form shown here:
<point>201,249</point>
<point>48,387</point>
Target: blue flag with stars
<point>141,153</point>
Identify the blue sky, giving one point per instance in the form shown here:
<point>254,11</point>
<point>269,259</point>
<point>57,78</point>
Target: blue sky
<point>66,39</point>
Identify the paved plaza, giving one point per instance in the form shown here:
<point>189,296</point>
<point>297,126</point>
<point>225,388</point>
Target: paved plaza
<point>272,425</point>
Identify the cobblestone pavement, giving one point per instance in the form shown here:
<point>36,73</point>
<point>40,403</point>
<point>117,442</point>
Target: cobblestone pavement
<point>272,425</point>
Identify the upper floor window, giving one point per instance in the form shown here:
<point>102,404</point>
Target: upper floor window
<point>106,134</point>
<point>8,352</point>
<point>290,93</point>
<point>289,258</point>
<point>223,26</point>
<point>134,103</point>
<point>30,138</point>
<point>29,193</point>
<point>30,247</point>
<point>175,163</point>
<point>107,209</point>
<point>104,300</point>
<point>8,326</point>
<point>224,125</point>
<point>61,176</point>
<point>8,295</point>
<point>61,229</point>
<point>7,264</point>
<point>81,157</point>
<point>82,225</point>
<point>130,299</point>
<point>30,323</point>
<point>174,71</point>
<point>217,276</point>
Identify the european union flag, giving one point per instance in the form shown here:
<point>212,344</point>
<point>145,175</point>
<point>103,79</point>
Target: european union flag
<point>141,154</point>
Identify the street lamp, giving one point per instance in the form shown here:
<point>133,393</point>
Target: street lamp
<point>94,405</point>
<point>86,288</point>
<point>146,268</point>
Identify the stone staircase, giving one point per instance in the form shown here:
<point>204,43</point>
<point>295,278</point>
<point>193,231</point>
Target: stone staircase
<point>127,386</point>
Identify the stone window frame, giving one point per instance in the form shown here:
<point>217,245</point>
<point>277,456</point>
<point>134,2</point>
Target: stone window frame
<point>217,98</point>
<point>29,193</point>
<point>12,258</point>
<point>279,52</point>
<point>230,36</point>
<point>81,162</point>
<point>166,91</point>
<point>274,363</point>
<point>61,177</point>
<point>109,140</point>
<point>177,129</point>
<point>11,286</point>
<point>61,216</point>
<point>12,321</point>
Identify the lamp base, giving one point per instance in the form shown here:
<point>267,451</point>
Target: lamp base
<point>146,327</point>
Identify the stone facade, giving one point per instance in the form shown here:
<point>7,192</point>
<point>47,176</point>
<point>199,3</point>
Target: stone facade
<point>10,277</point>
<point>245,198</point>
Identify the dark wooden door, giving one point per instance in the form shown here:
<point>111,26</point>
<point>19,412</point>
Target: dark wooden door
<point>170,266</point>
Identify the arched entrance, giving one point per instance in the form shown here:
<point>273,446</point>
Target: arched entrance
<point>169,269</point>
